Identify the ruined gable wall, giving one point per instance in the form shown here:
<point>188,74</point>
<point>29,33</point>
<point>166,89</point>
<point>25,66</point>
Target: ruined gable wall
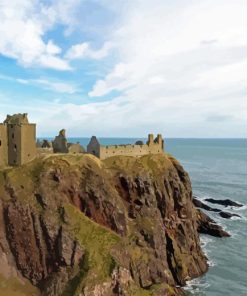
<point>28,142</point>
<point>3,145</point>
<point>93,147</point>
<point>130,150</point>
<point>60,144</point>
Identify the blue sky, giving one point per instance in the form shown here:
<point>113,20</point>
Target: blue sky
<point>126,68</point>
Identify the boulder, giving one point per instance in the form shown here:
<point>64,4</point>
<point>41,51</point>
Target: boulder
<point>228,215</point>
<point>206,225</point>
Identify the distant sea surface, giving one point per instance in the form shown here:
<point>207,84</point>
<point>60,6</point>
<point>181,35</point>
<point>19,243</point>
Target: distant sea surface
<point>218,169</point>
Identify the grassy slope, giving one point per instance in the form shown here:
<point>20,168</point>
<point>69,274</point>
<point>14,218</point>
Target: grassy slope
<point>13,287</point>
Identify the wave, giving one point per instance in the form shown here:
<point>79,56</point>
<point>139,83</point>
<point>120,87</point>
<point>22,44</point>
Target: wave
<point>196,286</point>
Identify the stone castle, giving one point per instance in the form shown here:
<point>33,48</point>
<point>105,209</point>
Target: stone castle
<point>18,144</point>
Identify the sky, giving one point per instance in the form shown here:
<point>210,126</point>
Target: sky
<point>126,68</point>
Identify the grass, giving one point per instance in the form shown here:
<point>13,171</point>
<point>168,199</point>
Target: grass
<point>152,164</point>
<point>13,287</point>
<point>97,241</point>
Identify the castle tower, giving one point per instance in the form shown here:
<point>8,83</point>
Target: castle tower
<point>3,145</point>
<point>150,139</point>
<point>21,138</point>
<point>160,141</point>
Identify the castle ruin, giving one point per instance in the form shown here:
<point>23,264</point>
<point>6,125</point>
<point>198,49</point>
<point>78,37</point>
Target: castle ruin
<point>18,144</point>
<point>61,145</point>
<point>153,146</point>
<point>17,140</point>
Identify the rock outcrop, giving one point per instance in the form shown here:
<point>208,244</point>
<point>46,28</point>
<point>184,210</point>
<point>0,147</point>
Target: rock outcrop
<point>75,225</point>
<point>201,205</point>
<point>224,202</point>
<point>206,225</point>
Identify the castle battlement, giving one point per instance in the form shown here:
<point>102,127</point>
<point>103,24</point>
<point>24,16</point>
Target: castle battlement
<point>152,146</point>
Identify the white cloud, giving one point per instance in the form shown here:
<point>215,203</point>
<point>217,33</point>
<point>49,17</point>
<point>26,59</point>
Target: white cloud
<point>182,63</point>
<point>52,48</point>
<point>181,67</point>
<point>48,84</point>
<point>84,50</point>
<point>23,26</point>
<point>51,61</point>
<point>115,80</point>
<point>56,86</point>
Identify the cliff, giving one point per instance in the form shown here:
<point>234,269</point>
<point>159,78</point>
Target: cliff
<point>75,225</point>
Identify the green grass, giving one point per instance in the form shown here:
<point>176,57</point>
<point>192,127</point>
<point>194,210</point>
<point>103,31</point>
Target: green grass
<point>97,241</point>
<point>13,287</point>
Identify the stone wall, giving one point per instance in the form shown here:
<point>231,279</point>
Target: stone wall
<point>129,150</point>
<point>21,143</point>
<point>14,144</point>
<point>3,145</point>
<point>28,142</point>
<point>75,148</point>
<point>153,146</point>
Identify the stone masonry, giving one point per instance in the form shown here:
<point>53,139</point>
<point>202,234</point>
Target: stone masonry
<point>153,146</point>
<point>17,140</point>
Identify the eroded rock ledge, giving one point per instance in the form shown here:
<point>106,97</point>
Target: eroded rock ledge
<point>73,225</point>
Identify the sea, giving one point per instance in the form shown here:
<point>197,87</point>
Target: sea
<point>218,169</point>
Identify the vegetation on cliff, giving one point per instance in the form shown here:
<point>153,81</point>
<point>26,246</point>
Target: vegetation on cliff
<point>75,225</point>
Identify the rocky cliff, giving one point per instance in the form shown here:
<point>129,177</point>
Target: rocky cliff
<point>75,225</point>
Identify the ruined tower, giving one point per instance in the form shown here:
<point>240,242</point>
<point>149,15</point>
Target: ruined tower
<point>3,145</point>
<point>18,140</point>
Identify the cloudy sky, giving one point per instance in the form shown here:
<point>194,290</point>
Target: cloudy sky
<point>126,67</point>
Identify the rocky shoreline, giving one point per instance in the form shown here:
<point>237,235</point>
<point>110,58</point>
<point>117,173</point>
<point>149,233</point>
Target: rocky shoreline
<point>226,203</point>
<point>75,225</point>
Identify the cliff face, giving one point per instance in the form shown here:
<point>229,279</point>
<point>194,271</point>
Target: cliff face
<point>74,225</point>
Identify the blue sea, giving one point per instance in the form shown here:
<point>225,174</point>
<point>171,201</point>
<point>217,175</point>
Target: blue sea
<point>218,169</point>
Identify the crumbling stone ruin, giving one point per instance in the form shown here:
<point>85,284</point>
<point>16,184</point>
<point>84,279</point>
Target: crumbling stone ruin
<point>153,146</point>
<point>61,145</point>
<point>18,144</point>
<point>17,140</point>
<point>75,148</point>
<point>44,147</point>
<point>44,144</point>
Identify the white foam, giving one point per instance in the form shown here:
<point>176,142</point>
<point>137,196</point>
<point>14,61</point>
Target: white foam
<point>234,218</point>
<point>211,263</point>
<point>240,208</point>
<point>196,286</point>
<point>205,240</point>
